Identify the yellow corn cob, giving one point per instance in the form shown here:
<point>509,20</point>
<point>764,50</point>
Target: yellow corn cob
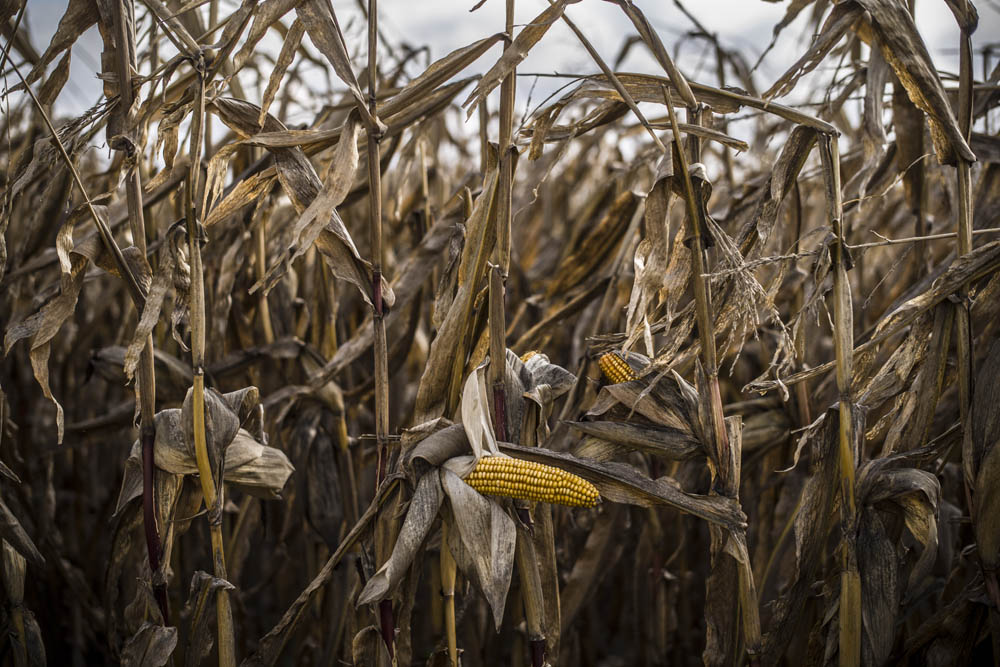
<point>616,369</point>
<point>528,480</point>
<point>528,355</point>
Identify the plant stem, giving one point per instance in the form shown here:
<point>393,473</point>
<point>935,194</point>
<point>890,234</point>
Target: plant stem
<point>501,250</point>
<point>726,453</point>
<point>448,570</point>
<point>126,63</point>
<point>260,263</point>
<point>531,594</point>
<point>380,349</point>
<point>966,379</point>
<point>213,500</point>
<point>963,327</point>
<point>843,340</point>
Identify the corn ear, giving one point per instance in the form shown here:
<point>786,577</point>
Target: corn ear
<point>616,370</point>
<point>528,480</point>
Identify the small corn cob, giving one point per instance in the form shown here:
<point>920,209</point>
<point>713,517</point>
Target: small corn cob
<point>528,480</point>
<point>616,369</point>
<point>528,355</point>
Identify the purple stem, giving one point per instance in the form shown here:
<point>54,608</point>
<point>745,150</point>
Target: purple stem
<point>148,437</point>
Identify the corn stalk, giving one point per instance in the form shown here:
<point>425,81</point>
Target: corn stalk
<point>374,134</point>
<point>448,571</point>
<point>724,452</point>
<point>843,341</point>
<point>126,63</point>
<point>963,324</point>
<point>213,496</point>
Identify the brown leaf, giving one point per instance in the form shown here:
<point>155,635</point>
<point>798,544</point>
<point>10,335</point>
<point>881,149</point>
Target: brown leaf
<point>80,15</point>
<point>266,15</point>
<point>904,49</point>
<point>622,483</point>
<point>597,247</point>
<point>600,552</point>
<point>420,516</point>
<point>200,610</point>
<point>436,74</point>
<point>43,326</point>
<point>837,24</point>
<point>314,219</point>
<point>288,48</point>
<point>812,525</point>
<point>321,23</point>
<point>484,542</point>
<point>514,54</point>
<point>302,185</point>
<point>13,533</point>
<point>151,646</point>
<point>670,443</point>
<point>981,457</point>
<point>439,385</point>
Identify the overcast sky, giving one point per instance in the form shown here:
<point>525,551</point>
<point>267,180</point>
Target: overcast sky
<point>444,25</point>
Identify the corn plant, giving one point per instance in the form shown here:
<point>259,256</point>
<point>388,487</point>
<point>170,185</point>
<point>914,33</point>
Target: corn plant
<point>322,348</point>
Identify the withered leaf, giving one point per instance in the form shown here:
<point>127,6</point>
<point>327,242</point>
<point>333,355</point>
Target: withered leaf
<point>514,54</point>
<point>13,533</point>
<point>151,646</point>
<point>482,541</point>
<point>903,48</point>
<point>420,516</point>
<point>621,483</point>
<point>200,610</point>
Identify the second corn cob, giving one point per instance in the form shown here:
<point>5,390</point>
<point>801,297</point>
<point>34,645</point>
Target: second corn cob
<point>615,368</point>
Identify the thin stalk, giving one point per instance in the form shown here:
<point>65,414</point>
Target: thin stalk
<point>843,338</point>
<point>801,389</point>
<point>484,141</point>
<point>260,264</point>
<point>375,231</point>
<point>726,452</point>
<point>343,443</point>
<point>776,551</point>
<point>437,604</point>
<point>501,250</point>
<point>380,349</point>
<point>703,305</point>
<point>232,544</point>
<point>213,19</point>
<point>213,501</point>
<point>966,379</point>
<point>448,570</point>
<point>964,243</point>
<point>126,63</point>
<point>498,355</point>
<point>531,595</point>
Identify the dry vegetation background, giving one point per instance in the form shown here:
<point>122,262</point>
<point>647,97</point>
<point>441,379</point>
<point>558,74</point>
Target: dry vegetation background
<point>248,362</point>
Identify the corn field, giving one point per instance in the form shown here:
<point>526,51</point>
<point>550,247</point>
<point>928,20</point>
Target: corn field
<point>349,352</point>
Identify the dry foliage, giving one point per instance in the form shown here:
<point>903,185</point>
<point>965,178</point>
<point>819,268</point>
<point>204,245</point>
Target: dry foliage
<point>249,363</point>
